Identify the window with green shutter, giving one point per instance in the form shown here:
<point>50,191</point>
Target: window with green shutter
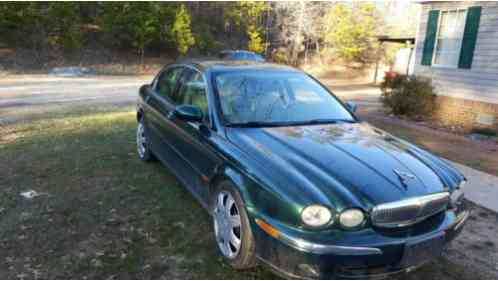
<point>430,37</point>
<point>469,37</point>
<point>451,37</point>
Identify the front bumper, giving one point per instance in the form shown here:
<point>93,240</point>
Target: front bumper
<point>364,254</point>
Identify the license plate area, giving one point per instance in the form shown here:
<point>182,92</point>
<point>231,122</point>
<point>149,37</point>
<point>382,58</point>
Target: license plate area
<point>421,251</point>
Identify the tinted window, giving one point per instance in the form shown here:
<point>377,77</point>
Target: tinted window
<point>193,91</point>
<point>276,96</point>
<point>167,81</point>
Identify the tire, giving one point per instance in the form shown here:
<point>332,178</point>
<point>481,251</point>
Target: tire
<point>245,256</point>
<point>143,150</point>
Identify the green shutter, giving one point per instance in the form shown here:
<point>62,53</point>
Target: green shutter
<point>469,37</point>
<point>430,37</point>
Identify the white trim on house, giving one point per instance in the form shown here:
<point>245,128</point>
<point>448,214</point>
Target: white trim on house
<point>440,17</point>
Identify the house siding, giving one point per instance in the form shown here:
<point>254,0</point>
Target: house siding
<point>474,90</point>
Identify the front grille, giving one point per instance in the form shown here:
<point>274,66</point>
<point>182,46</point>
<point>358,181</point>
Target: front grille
<point>409,211</point>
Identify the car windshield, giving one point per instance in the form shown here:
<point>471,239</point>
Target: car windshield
<point>260,98</point>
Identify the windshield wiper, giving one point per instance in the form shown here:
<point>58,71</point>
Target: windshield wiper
<point>256,124</point>
<point>324,121</point>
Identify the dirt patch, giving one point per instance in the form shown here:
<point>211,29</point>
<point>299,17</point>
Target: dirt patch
<point>476,154</point>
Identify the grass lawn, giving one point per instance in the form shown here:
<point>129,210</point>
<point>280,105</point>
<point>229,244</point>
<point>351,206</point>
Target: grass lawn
<point>105,214</point>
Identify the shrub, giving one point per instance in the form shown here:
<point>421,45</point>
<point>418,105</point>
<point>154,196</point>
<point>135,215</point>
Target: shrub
<point>411,96</point>
<point>485,131</point>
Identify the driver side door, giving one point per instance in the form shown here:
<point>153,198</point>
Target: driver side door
<point>192,140</point>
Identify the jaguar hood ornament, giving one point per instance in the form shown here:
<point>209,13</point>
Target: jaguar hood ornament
<point>404,177</point>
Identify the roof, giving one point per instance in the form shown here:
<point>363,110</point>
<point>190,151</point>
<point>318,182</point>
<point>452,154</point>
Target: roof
<point>401,40</point>
<point>238,51</point>
<point>237,65</point>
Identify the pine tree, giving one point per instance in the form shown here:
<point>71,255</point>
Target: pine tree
<point>182,31</point>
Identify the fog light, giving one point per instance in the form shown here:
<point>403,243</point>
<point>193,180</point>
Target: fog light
<point>351,218</point>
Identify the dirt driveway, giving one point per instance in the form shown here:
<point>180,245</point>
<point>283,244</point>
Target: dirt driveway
<point>105,214</point>
<point>26,97</point>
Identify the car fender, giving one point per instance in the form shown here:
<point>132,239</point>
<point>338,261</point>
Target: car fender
<point>255,186</point>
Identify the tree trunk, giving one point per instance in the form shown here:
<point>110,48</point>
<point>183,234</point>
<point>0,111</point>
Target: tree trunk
<point>141,53</point>
<point>306,51</point>
<point>318,52</point>
<point>297,38</point>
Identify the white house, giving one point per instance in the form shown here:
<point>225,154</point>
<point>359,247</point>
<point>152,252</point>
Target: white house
<point>457,47</point>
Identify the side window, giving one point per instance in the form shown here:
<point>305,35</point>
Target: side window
<point>166,83</point>
<point>193,91</point>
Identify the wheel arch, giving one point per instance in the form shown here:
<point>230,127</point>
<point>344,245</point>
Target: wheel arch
<point>140,114</point>
<point>236,177</point>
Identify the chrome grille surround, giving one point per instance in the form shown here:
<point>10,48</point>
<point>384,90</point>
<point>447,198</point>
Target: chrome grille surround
<point>409,211</point>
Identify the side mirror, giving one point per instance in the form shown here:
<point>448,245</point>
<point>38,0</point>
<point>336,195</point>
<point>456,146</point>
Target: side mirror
<point>190,113</point>
<point>351,106</point>
<point>143,89</point>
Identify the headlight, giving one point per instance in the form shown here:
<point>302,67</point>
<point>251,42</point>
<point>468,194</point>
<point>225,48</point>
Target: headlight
<point>456,198</point>
<point>316,215</point>
<point>351,218</point>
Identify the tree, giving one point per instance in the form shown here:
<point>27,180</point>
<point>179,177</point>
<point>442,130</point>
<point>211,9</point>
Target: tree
<point>182,31</point>
<point>296,24</point>
<point>135,24</point>
<point>350,31</point>
<point>255,43</point>
<point>246,16</point>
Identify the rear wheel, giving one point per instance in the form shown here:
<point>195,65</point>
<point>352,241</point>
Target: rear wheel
<point>143,149</point>
<point>232,229</point>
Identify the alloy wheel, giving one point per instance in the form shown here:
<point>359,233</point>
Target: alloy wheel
<point>141,140</point>
<point>227,225</point>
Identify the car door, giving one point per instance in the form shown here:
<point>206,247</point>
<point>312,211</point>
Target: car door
<point>193,138</point>
<point>161,104</point>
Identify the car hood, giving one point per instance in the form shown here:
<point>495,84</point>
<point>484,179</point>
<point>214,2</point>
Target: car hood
<point>343,165</point>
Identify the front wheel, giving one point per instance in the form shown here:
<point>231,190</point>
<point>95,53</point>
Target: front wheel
<point>143,149</point>
<point>232,229</point>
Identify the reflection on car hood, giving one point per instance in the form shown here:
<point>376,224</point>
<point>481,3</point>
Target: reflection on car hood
<point>344,164</point>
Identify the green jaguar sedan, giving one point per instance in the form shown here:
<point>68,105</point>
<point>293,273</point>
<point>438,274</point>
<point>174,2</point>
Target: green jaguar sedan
<point>291,177</point>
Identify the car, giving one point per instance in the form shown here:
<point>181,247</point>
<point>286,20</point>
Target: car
<point>240,55</point>
<point>291,177</point>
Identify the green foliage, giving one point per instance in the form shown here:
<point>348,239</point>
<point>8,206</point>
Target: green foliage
<point>244,13</point>
<point>182,31</point>
<point>245,16</point>
<point>141,24</point>
<point>64,21</point>
<point>349,32</point>
<point>485,131</point>
<point>280,55</point>
<point>131,23</point>
<point>206,43</point>
<point>255,43</point>
<point>408,95</point>
<point>31,24</point>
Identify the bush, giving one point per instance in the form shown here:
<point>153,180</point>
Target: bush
<point>411,96</point>
<point>485,131</point>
